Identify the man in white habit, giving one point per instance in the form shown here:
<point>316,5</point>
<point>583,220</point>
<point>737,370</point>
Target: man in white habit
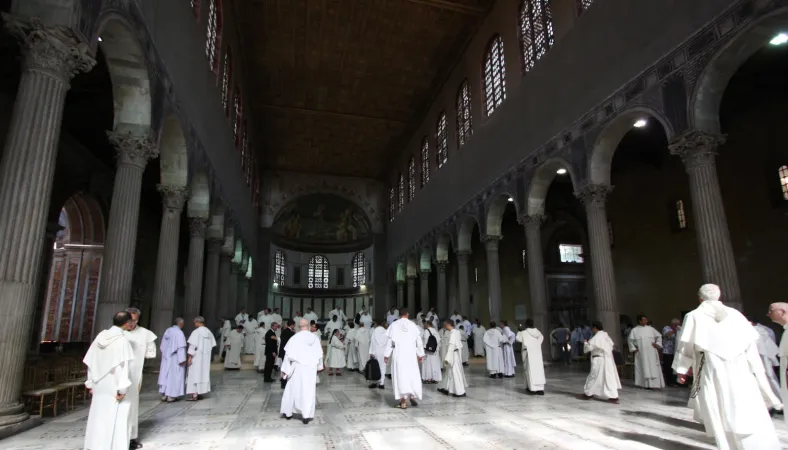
<point>249,344</point>
<point>241,316</point>
<point>768,351</point>
<point>362,345</point>
<point>444,336</point>
<point>233,346</point>
<point>350,350</point>
<point>201,343</point>
<point>509,362</point>
<point>454,383</point>
<point>406,351</point>
<point>303,360</point>
<point>456,317</point>
<point>431,364</point>
<point>603,378</point>
<point>310,315</point>
<point>339,313</point>
<point>276,317</point>
<point>143,344</point>
<point>297,318</point>
<point>265,318</point>
<point>366,319</point>
<point>464,339</point>
<point>478,339</point>
<point>259,347</point>
<point>333,324</point>
<point>645,343</point>
<point>778,312</point>
<point>391,316</point>
<point>432,316</point>
<point>377,351</point>
<point>730,394</point>
<point>493,343</point>
<point>108,360</point>
<point>173,362</point>
<point>531,340</point>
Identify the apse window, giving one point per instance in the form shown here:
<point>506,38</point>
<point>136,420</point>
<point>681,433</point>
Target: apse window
<point>783,173</point>
<point>571,253</point>
<point>359,270</point>
<point>442,141</point>
<point>392,204</point>
<point>681,215</point>
<point>279,268</point>
<point>411,179</point>
<point>536,31</point>
<point>582,5</point>
<point>464,128</point>
<point>494,75</point>
<point>318,272</point>
<point>425,161</point>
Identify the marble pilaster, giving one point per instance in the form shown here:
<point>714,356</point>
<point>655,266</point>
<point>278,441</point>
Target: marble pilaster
<point>223,291</point>
<point>464,288</point>
<point>698,151</point>
<point>173,198</point>
<point>210,308</point>
<point>52,56</point>
<point>424,297</point>
<point>197,228</point>
<point>443,304</point>
<point>232,289</point>
<point>491,244</point>
<point>243,293</point>
<point>594,197</point>
<point>411,300</point>
<point>400,293</point>
<point>536,277</point>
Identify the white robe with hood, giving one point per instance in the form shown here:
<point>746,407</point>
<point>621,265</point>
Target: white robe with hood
<point>303,359</point>
<point>201,343</point>
<point>478,340</point>
<point>454,382</point>
<point>531,340</point>
<point>404,347</point>
<point>493,340</point>
<point>603,378</point>
<point>432,362</point>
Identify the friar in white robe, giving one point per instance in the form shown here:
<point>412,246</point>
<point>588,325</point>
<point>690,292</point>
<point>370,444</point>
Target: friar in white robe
<point>366,319</point>
<point>362,345</point>
<point>493,341</point>
<point>310,315</point>
<point>778,312</point>
<point>227,327</point>
<point>233,346</point>
<point>509,363</point>
<point>241,316</point>
<point>456,317</point>
<point>335,354</point>
<point>603,378</point>
<point>768,351</point>
<point>259,346</point>
<point>316,331</point>
<point>143,344</point>
<point>108,360</point>
<point>351,352</point>
<point>431,364</point>
<point>303,360</point>
<point>377,351</point>
<point>264,317</point>
<point>531,340</point>
<point>172,371</point>
<point>339,313</point>
<point>444,336</point>
<point>478,339</point>
<point>249,343</point>
<point>276,317</point>
<point>730,394</point>
<point>454,383</point>
<point>201,343</point>
<point>405,350</point>
<point>464,339</point>
<point>646,343</point>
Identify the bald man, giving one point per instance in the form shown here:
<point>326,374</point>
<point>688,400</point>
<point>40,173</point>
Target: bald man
<point>778,312</point>
<point>303,359</point>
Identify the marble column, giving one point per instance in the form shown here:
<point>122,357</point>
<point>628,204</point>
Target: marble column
<point>536,277</point>
<point>223,293</point>
<point>424,292</point>
<point>243,294</point>
<point>411,300</point>
<point>464,288</point>
<point>210,309</point>
<point>491,244</point>
<point>52,56</point>
<point>197,227</point>
<point>232,290</point>
<point>400,294</point>
<point>698,151</point>
<point>604,280</point>
<point>443,303</point>
<point>173,198</point>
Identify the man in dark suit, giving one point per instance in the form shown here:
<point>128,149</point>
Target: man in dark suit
<point>270,352</point>
<point>285,336</point>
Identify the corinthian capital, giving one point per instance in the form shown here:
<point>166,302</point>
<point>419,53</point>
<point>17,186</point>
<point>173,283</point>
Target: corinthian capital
<point>491,242</point>
<point>531,221</point>
<point>133,150</point>
<point>197,227</point>
<point>696,148</point>
<point>173,197</point>
<point>594,194</point>
<point>442,265</point>
<point>53,50</point>
<point>463,256</point>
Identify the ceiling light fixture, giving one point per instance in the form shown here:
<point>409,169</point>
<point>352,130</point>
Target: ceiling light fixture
<point>561,171</point>
<point>99,38</point>
<point>779,39</point>
<point>640,123</point>
<point>511,199</point>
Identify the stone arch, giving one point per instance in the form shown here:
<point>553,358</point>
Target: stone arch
<point>84,220</point>
<point>540,183</point>
<point>608,140</point>
<point>216,225</point>
<point>129,73</point>
<point>425,258</point>
<point>401,271</point>
<point>465,232</point>
<point>443,244</point>
<point>704,104</point>
<point>173,157</point>
<point>495,209</point>
<point>412,267</point>
<point>199,195</point>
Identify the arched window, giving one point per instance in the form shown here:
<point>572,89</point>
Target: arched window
<point>392,204</point>
<point>318,272</point>
<point>582,5</point>
<point>227,74</point>
<point>681,215</point>
<point>425,161</point>
<point>401,198</point>
<point>195,8</point>
<point>442,140</point>
<point>464,128</point>
<point>411,179</point>
<point>494,75</point>
<point>238,109</point>
<point>214,34</point>
<point>359,270</point>
<point>279,268</point>
<point>536,31</point>
<point>783,173</point>
<point>246,160</point>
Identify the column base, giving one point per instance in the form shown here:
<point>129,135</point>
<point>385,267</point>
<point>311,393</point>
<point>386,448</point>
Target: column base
<point>18,423</point>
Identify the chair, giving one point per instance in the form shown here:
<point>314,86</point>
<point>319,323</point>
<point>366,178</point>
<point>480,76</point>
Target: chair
<point>37,385</point>
<point>74,384</point>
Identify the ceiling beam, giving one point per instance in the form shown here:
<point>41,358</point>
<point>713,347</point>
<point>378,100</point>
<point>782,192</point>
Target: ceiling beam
<point>451,6</point>
<point>320,112</point>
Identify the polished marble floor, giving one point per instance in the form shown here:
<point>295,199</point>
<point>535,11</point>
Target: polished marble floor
<point>242,414</point>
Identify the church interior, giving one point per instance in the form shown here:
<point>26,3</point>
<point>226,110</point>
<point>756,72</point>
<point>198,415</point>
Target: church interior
<point>557,161</point>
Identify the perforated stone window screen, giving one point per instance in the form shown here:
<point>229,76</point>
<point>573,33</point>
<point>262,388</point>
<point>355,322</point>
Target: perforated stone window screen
<point>279,268</point>
<point>582,5</point>
<point>318,272</point>
<point>536,31</point>
<point>494,75</point>
<point>392,204</point>
<point>411,179</point>
<point>571,253</point>
<point>401,199</point>
<point>442,140</point>
<point>464,127</point>
<point>227,72</point>
<point>783,173</point>
<point>213,34</point>
<point>425,161</point>
<point>359,271</point>
<point>681,215</point>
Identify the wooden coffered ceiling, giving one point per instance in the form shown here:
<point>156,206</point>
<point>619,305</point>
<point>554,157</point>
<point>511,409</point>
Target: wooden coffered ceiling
<point>337,86</point>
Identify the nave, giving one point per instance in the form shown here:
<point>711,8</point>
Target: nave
<point>242,413</point>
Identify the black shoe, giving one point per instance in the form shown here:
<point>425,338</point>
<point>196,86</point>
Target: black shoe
<point>286,417</point>
<point>388,376</point>
<point>413,402</point>
<point>455,395</point>
<point>373,385</point>
<point>500,375</point>
<point>492,376</point>
<point>306,421</point>
<point>268,380</point>
<point>539,392</point>
<point>443,391</point>
<point>134,444</point>
<point>380,386</point>
<point>530,392</point>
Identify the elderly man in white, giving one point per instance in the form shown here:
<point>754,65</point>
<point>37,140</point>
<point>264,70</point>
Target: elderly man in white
<point>302,361</point>
<point>778,312</point>
<point>143,344</point>
<point>730,395</point>
<point>407,349</point>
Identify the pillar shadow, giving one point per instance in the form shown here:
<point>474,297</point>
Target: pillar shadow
<point>653,441</point>
<point>672,421</point>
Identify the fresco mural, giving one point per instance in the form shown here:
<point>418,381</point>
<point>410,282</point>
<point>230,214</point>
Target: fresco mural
<point>322,219</point>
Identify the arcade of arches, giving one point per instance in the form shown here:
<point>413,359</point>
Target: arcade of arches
<point>521,161</point>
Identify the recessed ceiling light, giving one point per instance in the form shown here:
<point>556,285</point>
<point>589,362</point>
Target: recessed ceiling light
<point>640,123</point>
<point>511,199</point>
<point>99,38</point>
<point>561,171</point>
<point>779,39</point>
